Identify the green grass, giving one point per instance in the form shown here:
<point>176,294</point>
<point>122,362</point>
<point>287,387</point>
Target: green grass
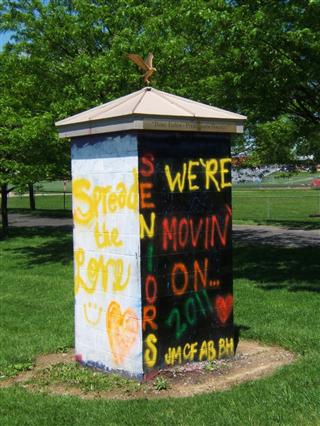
<point>44,204</point>
<point>277,300</point>
<point>52,186</point>
<point>290,179</point>
<point>85,379</point>
<point>36,297</point>
<point>295,207</point>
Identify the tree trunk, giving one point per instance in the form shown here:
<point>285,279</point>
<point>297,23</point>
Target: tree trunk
<point>4,208</point>
<point>31,197</point>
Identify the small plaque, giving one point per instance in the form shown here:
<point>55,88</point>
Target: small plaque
<point>189,126</point>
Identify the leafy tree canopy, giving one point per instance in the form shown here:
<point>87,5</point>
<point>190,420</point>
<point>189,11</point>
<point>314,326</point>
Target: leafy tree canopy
<point>257,57</point>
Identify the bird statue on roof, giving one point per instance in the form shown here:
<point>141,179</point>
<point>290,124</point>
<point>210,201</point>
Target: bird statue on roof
<point>144,65</point>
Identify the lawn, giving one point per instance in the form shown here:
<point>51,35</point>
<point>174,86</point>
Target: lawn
<point>44,203</point>
<point>290,179</point>
<point>295,207</point>
<point>277,301</point>
<point>53,186</point>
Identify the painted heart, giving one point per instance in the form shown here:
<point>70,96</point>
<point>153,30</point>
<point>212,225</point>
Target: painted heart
<point>122,330</point>
<point>223,306</point>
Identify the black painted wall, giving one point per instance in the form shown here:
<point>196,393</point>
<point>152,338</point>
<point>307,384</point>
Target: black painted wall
<point>186,247</point>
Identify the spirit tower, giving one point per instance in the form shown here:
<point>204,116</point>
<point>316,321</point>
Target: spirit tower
<point>151,188</point>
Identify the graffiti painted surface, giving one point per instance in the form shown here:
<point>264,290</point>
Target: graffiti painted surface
<point>108,329</point>
<point>186,264</point>
<point>152,250</point>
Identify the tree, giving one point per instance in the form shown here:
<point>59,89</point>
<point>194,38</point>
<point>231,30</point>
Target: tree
<point>271,70</point>
<point>29,147</point>
<point>256,57</point>
<point>274,141</point>
<point>86,57</point>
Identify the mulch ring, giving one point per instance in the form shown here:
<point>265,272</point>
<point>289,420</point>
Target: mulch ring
<point>252,361</point>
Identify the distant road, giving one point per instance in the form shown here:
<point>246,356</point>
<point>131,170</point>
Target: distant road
<point>28,220</point>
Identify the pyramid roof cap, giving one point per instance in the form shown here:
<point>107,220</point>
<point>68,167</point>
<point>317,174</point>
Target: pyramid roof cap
<point>151,109</point>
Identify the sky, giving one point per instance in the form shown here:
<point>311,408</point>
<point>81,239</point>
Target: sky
<point>4,37</point>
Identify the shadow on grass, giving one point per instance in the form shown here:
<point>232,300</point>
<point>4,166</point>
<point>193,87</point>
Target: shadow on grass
<point>272,268</point>
<point>288,224</point>
<point>294,224</point>
<point>55,245</point>
<point>238,329</point>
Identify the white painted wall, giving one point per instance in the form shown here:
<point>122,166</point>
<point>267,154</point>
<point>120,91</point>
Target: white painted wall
<point>108,331</point>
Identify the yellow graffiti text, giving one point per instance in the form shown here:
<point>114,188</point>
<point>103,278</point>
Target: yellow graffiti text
<point>145,229</point>
<point>226,347</point>
<point>102,199</point>
<point>107,271</point>
<point>105,238</point>
<point>207,351</point>
<point>204,352</point>
<point>176,355</point>
<point>179,179</point>
<point>151,351</point>
<point>210,173</point>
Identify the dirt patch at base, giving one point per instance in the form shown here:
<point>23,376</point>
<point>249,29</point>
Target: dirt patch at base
<point>253,360</point>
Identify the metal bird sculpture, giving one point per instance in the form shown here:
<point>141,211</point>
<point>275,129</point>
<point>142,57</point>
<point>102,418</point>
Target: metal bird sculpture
<point>144,65</point>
